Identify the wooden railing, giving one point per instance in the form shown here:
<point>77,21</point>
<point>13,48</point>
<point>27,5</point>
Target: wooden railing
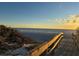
<point>44,46</point>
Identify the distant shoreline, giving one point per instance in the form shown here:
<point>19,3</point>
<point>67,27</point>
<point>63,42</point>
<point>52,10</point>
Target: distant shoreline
<point>44,29</point>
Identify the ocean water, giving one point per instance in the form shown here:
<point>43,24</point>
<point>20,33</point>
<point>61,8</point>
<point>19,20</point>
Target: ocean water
<point>42,35</point>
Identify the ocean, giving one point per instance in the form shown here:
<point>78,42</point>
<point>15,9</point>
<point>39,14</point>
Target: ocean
<point>41,35</point>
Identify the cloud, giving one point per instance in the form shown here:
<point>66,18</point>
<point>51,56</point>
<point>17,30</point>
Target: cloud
<point>73,19</point>
<point>56,21</point>
<point>70,22</point>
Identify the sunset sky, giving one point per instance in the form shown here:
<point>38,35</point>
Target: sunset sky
<point>39,15</point>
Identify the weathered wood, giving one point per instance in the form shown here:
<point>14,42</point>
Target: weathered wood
<point>41,48</point>
<point>55,45</point>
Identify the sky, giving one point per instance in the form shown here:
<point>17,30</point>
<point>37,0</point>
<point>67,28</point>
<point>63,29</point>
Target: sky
<point>38,14</point>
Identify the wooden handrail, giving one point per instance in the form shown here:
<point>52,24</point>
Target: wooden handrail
<point>42,47</point>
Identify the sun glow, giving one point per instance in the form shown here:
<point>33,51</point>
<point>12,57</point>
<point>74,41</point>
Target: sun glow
<point>72,22</point>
